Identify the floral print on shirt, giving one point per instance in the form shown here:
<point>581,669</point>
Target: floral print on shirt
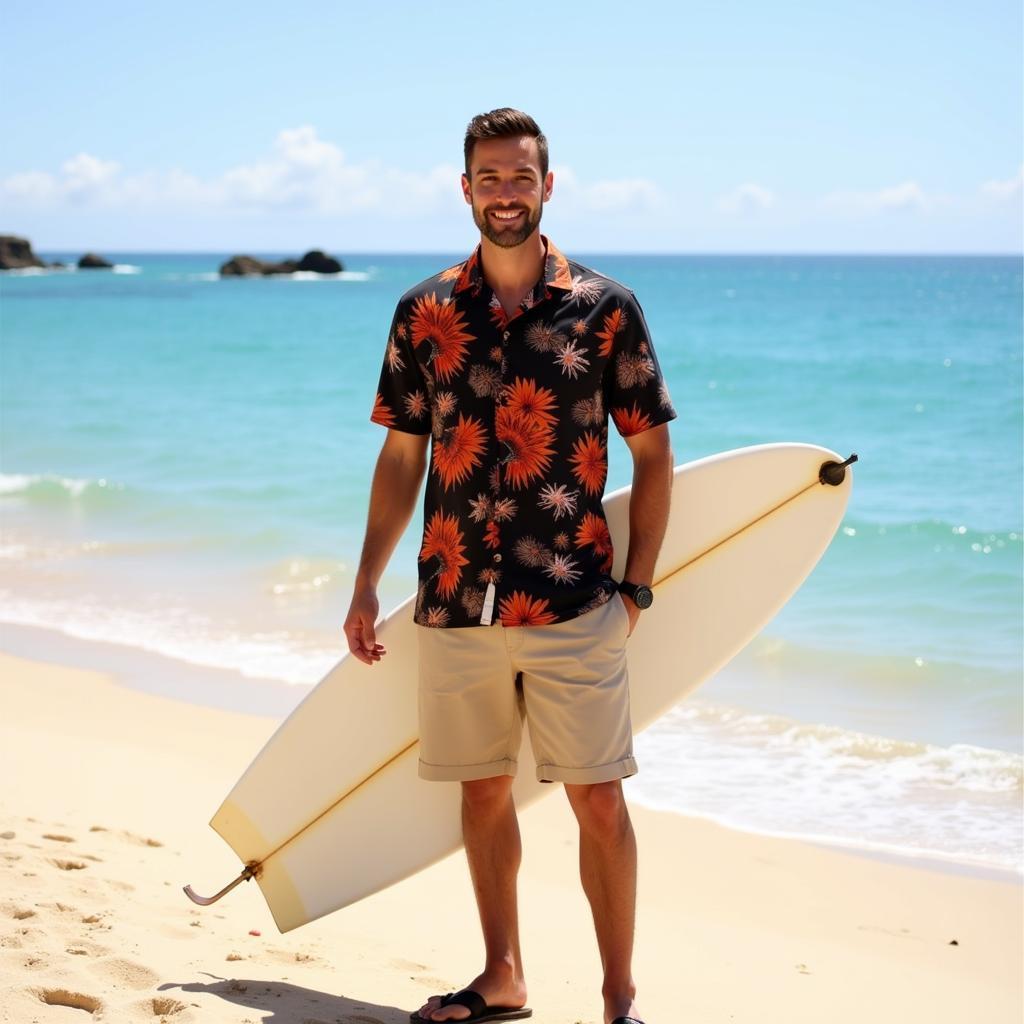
<point>517,408</point>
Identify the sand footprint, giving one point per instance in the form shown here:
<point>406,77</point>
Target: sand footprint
<point>160,1006</point>
<point>67,865</point>
<point>58,838</point>
<point>62,997</point>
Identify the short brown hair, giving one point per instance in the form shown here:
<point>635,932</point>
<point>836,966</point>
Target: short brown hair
<point>505,123</point>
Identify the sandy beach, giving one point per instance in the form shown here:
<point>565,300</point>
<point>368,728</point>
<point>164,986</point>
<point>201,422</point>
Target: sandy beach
<point>103,818</point>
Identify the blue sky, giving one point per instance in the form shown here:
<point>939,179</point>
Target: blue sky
<point>710,127</point>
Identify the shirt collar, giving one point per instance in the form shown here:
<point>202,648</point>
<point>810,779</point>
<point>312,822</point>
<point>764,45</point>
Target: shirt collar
<point>556,271</point>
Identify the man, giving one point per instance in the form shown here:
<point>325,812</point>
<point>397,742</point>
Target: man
<point>511,362</point>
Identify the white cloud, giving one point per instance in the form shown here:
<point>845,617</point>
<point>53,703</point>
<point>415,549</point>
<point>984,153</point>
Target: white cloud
<point>612,195</point>
<point>1002,191</point>
<point>908,195</point>
<point>748,198</point>
<point>301,171</point>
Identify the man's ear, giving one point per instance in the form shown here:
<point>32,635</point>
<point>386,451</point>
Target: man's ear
<point>467,192</point>
<point>549,184</point>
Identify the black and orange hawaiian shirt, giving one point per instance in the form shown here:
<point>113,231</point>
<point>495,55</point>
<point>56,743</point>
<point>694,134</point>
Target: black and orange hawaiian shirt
<point>517,408</point>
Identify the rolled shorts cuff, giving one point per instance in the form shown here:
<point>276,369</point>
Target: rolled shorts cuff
<point>467,772</point>
<point>588,776</point>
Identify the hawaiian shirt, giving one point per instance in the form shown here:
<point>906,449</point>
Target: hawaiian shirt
<point>517,409</point>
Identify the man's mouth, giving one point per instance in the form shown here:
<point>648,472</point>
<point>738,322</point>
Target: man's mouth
<point>506,216</point>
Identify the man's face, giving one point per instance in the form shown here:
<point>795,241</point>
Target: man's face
<point>505,189</point>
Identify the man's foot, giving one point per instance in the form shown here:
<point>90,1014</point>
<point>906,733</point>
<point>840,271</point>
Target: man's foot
<point>621,1011</point>
<point>495,989</point>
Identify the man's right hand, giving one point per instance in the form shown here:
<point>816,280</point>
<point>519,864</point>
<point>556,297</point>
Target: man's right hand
<point>359,627</point>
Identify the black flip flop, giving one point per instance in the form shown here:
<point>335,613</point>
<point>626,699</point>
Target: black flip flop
<point>479,1011</point>
<point>627,1020</point>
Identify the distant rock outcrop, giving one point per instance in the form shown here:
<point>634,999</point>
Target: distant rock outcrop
<point>315,262</point>
<point>320,263</point>
<point>90,261</point>
<point>16,253</point>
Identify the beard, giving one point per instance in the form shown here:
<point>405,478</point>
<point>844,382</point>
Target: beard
<point>511,236</point>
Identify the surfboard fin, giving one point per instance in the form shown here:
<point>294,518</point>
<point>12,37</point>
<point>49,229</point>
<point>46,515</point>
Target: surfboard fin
<point>250,871</point>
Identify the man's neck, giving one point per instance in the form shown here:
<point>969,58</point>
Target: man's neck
<point>512,273</point>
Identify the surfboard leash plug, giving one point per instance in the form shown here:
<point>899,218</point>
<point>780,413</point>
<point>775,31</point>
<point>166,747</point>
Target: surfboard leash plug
<point>834,473</point>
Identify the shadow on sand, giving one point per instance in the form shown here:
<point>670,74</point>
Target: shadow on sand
<point>281,1003</point>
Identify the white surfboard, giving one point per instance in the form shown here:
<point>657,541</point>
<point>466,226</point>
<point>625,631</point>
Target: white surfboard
<point>332,809</point>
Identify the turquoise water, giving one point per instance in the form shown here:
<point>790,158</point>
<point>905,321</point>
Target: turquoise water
<point>185,465</point>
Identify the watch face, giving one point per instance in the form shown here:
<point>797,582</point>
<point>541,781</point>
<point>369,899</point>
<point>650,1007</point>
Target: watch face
<point>643,597</point>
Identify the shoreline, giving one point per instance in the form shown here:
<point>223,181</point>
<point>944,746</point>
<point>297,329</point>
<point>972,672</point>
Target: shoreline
<point>115,786</point>
<point>210,688</point>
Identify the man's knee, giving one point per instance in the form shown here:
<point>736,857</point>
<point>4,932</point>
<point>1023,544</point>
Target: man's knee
<point>600,808</point>
<point>483,795</point>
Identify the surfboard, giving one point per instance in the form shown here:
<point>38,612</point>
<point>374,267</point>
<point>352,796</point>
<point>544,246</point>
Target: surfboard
<point>332,809</point>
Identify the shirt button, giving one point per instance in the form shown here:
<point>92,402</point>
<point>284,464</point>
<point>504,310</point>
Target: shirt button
<point>506,336</point>
<point>497,557</point>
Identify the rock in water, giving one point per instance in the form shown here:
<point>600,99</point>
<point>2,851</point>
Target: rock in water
<point>241,266</point>
<point>320,263</point>
<point>90,261</point>
<point>314,261</point>
<point>16,253</point>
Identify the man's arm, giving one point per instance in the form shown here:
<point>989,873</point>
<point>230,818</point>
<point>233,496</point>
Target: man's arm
<point>396,482</point>
<point>648,507</point>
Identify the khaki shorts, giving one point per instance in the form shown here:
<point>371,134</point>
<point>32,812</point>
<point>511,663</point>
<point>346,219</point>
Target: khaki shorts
<point>574,695</point>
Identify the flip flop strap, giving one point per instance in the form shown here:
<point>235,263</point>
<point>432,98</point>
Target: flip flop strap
<point>472,1001</point>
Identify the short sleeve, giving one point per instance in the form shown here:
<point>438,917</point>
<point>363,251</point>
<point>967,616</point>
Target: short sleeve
<point>402,401</point>
<point>635,391</point>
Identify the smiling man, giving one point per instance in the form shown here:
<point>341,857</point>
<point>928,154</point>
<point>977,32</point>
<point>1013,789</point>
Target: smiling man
<point>510,363</point>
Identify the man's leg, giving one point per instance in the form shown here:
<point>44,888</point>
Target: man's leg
<point>608,873</point>
<point>494,850</point>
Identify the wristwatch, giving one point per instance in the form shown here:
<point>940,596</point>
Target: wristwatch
<point>643,597</point>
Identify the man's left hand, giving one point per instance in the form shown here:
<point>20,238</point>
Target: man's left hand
<point>631,610</point>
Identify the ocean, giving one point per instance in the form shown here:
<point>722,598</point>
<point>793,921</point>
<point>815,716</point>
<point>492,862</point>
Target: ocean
<point>185,465</point>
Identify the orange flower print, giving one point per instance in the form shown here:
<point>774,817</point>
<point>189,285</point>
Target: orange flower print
<point>492,535</point>
<point>416,404</point>
<point>631,421</point>
<point>579,328</point>
<point>589,462</point>
<point>614,322</point>
<point>443,540</point>
<point>572,360</point>
<point>504,509</point>
<point>382,413</point>
<point>542,337</point>
<point>452,273</point>
<point>593,531</point>
<point>522,610</point>
<point>523,396</point>
<point>589,412</point>
<point>436,617</point>
<point>440,325</point>
<point>394,357</point>
<point>445,402</point>
<point>527,444</point>
<point>458,451</point>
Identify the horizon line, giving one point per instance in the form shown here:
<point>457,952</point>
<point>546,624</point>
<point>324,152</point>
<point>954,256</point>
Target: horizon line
<point>61,250</point>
